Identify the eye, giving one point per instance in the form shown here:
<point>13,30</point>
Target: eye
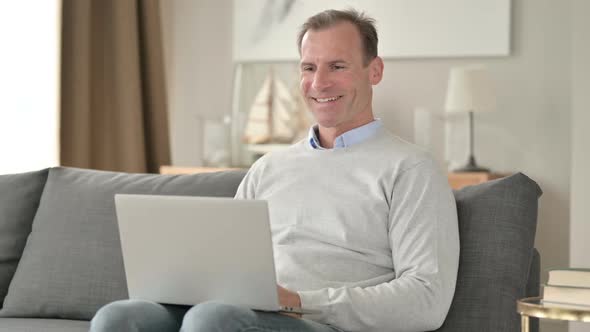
<point>338,67</point>
<point>307,68</point>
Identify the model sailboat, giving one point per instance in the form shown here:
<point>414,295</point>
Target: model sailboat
<point>277,116</point>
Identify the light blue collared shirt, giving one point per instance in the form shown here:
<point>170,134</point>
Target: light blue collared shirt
<point>349,138</point>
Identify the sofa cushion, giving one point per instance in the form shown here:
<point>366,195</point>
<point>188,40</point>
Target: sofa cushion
<point>42,325</point>
<point>497,225</point>
<point>19,199</point>
<point>72,263</point>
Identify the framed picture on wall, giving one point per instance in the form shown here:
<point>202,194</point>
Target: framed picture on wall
<point>266,30</point>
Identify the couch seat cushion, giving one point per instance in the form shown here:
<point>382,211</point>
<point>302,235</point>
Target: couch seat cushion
<point>42,325</point>
<point>72,263</point>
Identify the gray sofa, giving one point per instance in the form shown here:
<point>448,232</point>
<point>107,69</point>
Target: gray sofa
<point>60,258</point>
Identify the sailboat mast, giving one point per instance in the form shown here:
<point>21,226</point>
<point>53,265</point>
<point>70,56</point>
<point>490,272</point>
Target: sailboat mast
<point>270,105</point>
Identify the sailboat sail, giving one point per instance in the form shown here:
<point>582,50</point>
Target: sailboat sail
<point>273,117</point>
<point>257,128</point>
<point>283,114</point>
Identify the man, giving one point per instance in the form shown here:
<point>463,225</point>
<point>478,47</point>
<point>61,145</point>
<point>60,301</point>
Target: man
<point>364,226</point>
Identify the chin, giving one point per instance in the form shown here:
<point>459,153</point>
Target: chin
<point>329,124</point>
<point>326,121</point>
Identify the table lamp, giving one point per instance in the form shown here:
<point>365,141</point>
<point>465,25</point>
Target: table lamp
<point>470,90</point>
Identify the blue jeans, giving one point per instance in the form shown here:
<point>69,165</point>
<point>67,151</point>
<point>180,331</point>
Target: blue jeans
<point>144,316</point>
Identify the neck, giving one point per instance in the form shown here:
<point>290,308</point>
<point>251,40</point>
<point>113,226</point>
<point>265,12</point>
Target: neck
<point>327,136</point>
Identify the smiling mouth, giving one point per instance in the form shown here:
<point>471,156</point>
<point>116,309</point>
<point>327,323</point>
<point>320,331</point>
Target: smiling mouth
<point>326,100</point>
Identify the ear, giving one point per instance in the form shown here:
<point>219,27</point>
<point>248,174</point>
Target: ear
<point>376,70</point>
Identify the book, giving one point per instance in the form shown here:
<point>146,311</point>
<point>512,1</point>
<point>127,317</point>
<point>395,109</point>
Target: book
<point>579,296</point>
<point>569,277</point>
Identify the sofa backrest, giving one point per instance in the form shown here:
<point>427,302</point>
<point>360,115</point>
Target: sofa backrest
<point>19,199</point>
<point>497,225</point>
<point>72,263</point>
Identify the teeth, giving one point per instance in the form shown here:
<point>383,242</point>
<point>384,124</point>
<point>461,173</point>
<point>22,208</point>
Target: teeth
<point>325,100</point>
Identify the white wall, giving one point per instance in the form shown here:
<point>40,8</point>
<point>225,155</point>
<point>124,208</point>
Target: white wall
<point>197,39</point>
<point>580,177</point>
<point>530,132</point>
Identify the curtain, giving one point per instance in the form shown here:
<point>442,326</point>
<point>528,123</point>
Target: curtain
<point>113,93</point>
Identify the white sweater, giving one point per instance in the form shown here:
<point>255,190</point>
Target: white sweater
<point>367,234</point>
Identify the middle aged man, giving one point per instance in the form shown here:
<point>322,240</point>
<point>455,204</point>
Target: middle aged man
<point>364,225</point>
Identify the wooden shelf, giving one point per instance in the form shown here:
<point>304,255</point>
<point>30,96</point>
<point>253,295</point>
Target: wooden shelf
<point>460,180</point>
<point>193,170</point>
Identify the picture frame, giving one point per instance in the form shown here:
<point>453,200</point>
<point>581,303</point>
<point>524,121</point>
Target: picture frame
<point>266,30</point>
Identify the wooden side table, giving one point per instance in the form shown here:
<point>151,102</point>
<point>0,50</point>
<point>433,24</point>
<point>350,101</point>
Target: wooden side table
<point>460,180</point>
<point>534,307</point>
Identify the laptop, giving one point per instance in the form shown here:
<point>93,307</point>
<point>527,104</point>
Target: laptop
<point>186,250</point>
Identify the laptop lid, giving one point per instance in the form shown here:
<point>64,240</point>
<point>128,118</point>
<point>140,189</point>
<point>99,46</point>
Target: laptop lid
<point>187,250</point>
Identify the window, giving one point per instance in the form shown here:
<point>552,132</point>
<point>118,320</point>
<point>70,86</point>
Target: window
<point>29,84</point>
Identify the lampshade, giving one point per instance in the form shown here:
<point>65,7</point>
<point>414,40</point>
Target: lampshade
<point>470,89</point>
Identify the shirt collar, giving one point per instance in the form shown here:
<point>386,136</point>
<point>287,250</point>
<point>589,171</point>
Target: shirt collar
<point>349,138</point>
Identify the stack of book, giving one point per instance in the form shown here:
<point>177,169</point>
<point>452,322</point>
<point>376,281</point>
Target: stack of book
<point>568,287</point>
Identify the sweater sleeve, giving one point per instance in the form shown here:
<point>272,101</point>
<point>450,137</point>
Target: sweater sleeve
<point>424,240</point>
<point>248,185</point>
<point>246,188</point>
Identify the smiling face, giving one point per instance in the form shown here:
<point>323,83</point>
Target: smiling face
<point>336,83</point>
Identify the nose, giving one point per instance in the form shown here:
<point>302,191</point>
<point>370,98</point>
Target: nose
<point>321,80</point>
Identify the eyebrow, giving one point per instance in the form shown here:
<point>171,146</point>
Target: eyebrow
<point>302,64</point>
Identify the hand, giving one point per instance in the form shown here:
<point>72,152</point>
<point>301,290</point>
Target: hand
<point>288,298</point>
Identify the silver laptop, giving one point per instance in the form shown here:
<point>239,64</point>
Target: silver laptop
<point>187,250</point>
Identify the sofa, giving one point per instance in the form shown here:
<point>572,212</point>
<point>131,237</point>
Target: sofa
<point>60,255</point>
